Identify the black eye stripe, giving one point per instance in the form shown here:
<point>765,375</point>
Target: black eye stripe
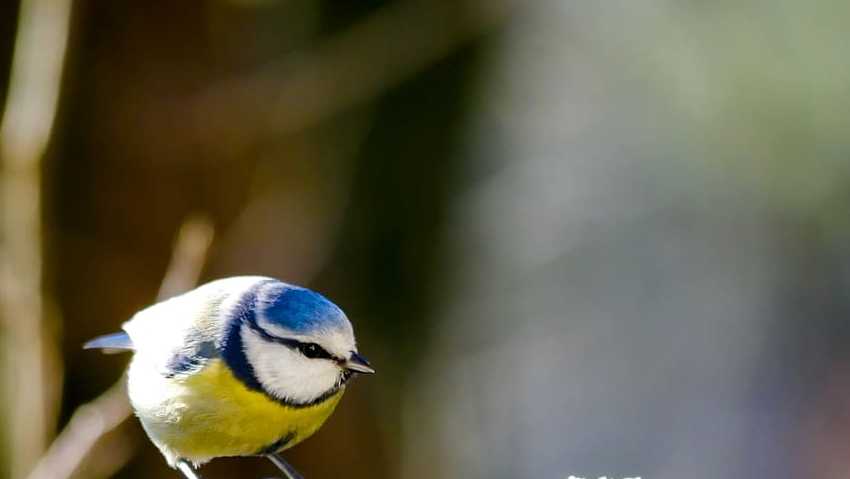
<point>313,351</point>
<point>309,350</point>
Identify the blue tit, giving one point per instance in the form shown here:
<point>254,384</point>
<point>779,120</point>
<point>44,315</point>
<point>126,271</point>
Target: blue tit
<point>241,366</point>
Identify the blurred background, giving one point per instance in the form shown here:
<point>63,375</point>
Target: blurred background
<point>575,238</point>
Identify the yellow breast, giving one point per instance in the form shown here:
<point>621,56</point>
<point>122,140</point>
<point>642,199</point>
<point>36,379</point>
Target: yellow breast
<point>212,414</point>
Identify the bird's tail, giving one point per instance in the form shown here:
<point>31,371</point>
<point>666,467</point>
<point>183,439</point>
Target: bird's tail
<point>111,343</point>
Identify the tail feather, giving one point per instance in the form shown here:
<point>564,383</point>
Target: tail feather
<point>111,343</point>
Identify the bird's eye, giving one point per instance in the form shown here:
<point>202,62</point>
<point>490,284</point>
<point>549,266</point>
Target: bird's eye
<point>313,351</point>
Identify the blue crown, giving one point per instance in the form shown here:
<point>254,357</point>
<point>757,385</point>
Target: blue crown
<point>298,309</point>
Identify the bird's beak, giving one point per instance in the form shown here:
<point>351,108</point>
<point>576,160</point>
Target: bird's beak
<point>358,364</point>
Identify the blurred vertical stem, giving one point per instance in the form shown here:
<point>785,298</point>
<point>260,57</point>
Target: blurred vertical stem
<point>92,421</point>
<point>30,378</point>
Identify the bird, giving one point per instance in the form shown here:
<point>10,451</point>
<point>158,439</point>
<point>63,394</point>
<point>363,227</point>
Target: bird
<point>240,366</point>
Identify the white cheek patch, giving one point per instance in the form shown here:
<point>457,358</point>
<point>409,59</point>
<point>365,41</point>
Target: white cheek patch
<point>286,373</point>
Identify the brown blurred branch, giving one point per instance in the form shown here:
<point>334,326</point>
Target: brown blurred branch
<point>356,66</point>
<point>93,420</point>
<point>350,69</point>
<point>31,370</point>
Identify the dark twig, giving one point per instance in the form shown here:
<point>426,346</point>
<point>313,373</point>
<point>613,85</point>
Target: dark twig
<point>284,466</point>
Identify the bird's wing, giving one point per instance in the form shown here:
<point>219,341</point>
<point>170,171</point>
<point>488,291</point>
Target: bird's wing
<point>111,343</point>
<point>181,335</point>
<point>192,359</point>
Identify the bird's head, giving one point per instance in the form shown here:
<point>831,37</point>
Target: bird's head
<point>296,344</point>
